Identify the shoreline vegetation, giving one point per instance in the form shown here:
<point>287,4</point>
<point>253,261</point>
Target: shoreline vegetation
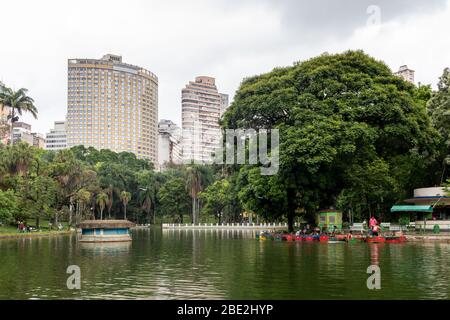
<point>353,137</point>
<point>18,235</point>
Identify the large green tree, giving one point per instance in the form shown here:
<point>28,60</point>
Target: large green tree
<point>439,109</point>
<point>173,198</point>
<point>335,113</point>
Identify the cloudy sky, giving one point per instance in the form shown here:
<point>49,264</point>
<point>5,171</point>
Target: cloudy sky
<point>226,39</point>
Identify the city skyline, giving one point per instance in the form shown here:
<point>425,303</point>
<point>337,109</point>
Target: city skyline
<point>242,46</point>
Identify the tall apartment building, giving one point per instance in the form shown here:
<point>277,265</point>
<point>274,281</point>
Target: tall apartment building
<point>224,103</point>
<point>56,139</point>
<point>201,105</point>
<point>38,140</point>
<point>22,132</point>
<point>112,105</point>
<point>5,127</point>
<point>406,73</point>
<point>169,143</point>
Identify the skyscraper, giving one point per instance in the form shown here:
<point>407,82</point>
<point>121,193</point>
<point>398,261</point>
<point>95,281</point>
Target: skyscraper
<point>112,105</point>
<point>5,126</point>
<point>406,73</point>
<point>201,108</point>
<point>56,139</point>
<point>223,103</point>
<point>169,144</point>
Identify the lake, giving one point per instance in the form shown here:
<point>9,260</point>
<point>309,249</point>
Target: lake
<point>173,264</point>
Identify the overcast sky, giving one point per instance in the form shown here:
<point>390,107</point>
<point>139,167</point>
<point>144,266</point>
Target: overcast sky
<point>225,39</point>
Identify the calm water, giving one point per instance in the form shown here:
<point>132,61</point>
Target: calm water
<point>220,265</point>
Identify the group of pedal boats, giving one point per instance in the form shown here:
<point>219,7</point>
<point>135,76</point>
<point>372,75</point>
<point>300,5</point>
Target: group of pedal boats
<point>338,238</point>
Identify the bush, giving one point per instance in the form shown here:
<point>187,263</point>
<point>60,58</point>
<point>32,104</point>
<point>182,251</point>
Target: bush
<point>9,206</point>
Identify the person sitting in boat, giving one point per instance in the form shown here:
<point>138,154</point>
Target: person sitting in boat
<point>317,230</point>
<point>333,231</point>
<point>375,230</point>
<point>350,235</point>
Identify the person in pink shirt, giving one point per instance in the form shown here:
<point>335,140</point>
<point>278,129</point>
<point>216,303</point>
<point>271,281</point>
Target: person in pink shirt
<point>372,222</point>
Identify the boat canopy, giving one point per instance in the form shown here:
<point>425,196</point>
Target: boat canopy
<point>398,208</point>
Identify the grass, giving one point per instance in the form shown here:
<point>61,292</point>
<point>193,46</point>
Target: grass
<point>12,230</point>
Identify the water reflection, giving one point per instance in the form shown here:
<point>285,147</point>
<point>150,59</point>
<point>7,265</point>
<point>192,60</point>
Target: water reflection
<point>105,248</point>
<point>215,264</point>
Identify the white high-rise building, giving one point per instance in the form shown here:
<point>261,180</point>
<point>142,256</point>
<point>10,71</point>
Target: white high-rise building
<point>223,103</point>
<point>169,143</point>
<point>406,73</point>
<point>201,105</point>
<point>22,132</point>
<point>56,139</point>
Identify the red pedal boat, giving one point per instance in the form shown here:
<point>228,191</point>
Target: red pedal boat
<point>395,239</point>
<point>377,239</point>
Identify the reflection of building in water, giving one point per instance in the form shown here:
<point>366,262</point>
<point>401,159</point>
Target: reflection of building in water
<point>106,248</point>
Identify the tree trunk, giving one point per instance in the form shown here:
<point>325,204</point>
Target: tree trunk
<point>11,131</point>
<point>101,214</point>
<point>290,217</point>
<point>38,222</point>
<point>125,211</point>
<point>194,220</point>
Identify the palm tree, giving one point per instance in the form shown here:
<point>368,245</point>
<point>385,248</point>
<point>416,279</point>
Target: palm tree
<point>110,201</point>
<point>197,178</point>
<point>82,197</point>
<point>102,199</point>
<point>18,102</point>
<point>125,198</point>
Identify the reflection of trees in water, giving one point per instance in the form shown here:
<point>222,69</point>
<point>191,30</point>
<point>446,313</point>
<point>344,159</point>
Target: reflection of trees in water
<point>219,264</point>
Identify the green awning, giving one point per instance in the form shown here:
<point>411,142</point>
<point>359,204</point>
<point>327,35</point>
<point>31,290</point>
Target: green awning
<point>412,209</point>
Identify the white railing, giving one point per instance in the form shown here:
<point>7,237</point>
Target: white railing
<point>272,225</point>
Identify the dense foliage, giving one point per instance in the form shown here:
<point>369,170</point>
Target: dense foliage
<point>352,136</point>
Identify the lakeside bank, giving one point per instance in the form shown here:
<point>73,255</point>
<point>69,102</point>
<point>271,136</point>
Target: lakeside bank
<point>34,234</point>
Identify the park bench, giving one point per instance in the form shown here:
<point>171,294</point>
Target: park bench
<point>358,227</point>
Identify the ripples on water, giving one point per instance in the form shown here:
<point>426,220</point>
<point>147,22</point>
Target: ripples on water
<point>220,265</point>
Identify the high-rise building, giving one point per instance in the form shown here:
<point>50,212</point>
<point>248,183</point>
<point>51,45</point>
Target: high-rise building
<point>201,108</point>
<point>223,103</point>
<point>22,132</point>
<point>112,105</point>
<point>56,139</point>
<point>38,140</point>
<point>169,144</point>
<point>5,126</point>
<point>406,73</point>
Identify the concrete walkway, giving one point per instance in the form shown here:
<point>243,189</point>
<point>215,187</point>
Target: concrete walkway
<point>428,237</point>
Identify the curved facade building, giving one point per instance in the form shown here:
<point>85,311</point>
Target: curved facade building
<point>112,105</point>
